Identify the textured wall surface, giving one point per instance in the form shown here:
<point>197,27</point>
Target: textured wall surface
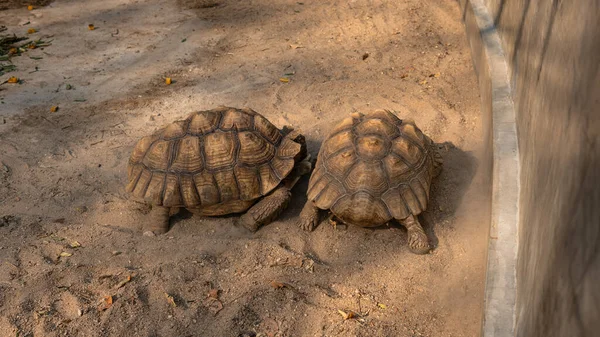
<point>553,51</point>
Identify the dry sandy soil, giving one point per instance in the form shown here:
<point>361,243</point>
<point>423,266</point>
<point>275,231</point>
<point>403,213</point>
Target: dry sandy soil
<point>73,261</point>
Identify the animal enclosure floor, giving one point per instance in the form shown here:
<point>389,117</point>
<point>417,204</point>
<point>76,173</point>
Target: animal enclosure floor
<point>73,261</point>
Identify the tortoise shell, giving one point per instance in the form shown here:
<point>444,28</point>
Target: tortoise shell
<point>225,156</point>
<point>373,168</point>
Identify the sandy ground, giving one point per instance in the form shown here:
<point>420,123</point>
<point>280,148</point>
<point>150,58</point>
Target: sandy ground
<point>73,261</point>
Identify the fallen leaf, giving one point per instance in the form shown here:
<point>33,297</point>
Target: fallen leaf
<point>365,55</point>
<point>31,31</point>
<point>213,293</point>
<point>404,76</point>
<point>106,303</point>
<point>91,27</point>
<point>124,282</point>
<point>168,80</point>
<point>75,244</point>
<point>284,80</point>
<point>171,300</point>
<point>214,306</point>
<point>65,254</point>
<point>277,285</point>
<point>296,46</point>
<point>13,79</point>
<point>423,82</point>
<point>12,51</point>
<point>382,306</point>
<point>30,8</point>
<point>54,108</point>
<point>347,315</point>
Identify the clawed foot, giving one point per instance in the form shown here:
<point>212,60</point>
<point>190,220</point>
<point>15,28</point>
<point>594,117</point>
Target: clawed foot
<point>248,222</point>
<point>417,240</point>
<point>157,221</point>
<point>309,217</point>
<point>307,224</point>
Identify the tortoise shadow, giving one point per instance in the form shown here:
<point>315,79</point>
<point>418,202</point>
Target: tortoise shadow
<point>448,189</point>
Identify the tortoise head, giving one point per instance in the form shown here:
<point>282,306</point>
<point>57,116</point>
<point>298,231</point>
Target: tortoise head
<point>297,137</point>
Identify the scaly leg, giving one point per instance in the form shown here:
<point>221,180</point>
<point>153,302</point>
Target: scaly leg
<point>309,217</point>
<point>417,239</point>
<point>157,220</point>
<point>267,209</point>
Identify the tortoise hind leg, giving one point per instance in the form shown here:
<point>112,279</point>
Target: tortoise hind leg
<point>417,239</point>
<point>267,209</point>
<point>157,220</point>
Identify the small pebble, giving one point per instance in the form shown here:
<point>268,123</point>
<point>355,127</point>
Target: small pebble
<point>149,233</point>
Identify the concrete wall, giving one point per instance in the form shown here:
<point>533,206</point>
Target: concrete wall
<point>552,49</point>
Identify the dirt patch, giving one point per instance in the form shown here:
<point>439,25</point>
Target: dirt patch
<point>73,260</point>
<point>8,4</point>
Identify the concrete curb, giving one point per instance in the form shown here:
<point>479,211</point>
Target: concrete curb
<point>499,116</point>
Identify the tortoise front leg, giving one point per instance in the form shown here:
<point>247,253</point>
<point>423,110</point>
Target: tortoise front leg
<point>157,221</point>
<point>309,217</point>
<point>417,239</point>
<point>267,209</point>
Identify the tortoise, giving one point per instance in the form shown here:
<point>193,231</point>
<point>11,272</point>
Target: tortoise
<point>373,168</point>
<point>216,162</point>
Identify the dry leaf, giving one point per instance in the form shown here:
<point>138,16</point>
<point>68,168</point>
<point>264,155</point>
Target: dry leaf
<point>171,300</point>
<point>12,51</point>
<point>423,82</point>
<point>365,56</point>
<point>382,306</point>
<point>295,46</point>
<point>13,80</point>
<point>91,27</point>
<point>30,8</point>
<point>107,302</point>
<point>55,109</point>
<point>277,285</point>
<point>73,244</point>
<point>284,80</point>
<point>404,76</point>
<point>168,80</point>
<point>214,293</point>
<point>31,31</point>
<point>215,306</point>
<point>124,282</point>
<point>347,315</point>
<point>65,254</point>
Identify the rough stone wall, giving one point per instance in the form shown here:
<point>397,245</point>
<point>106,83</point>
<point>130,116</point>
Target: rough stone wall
<point>553,50</point>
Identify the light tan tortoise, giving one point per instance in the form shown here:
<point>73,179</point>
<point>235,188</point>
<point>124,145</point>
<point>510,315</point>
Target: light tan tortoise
<point>217,162</point>
<point>371,169</point>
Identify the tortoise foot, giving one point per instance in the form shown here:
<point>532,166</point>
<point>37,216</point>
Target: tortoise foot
<point>417,239</point>
<point>418,242</point>
<point>309,217</point>
<point>248,222</point>
<point>157,221</point>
